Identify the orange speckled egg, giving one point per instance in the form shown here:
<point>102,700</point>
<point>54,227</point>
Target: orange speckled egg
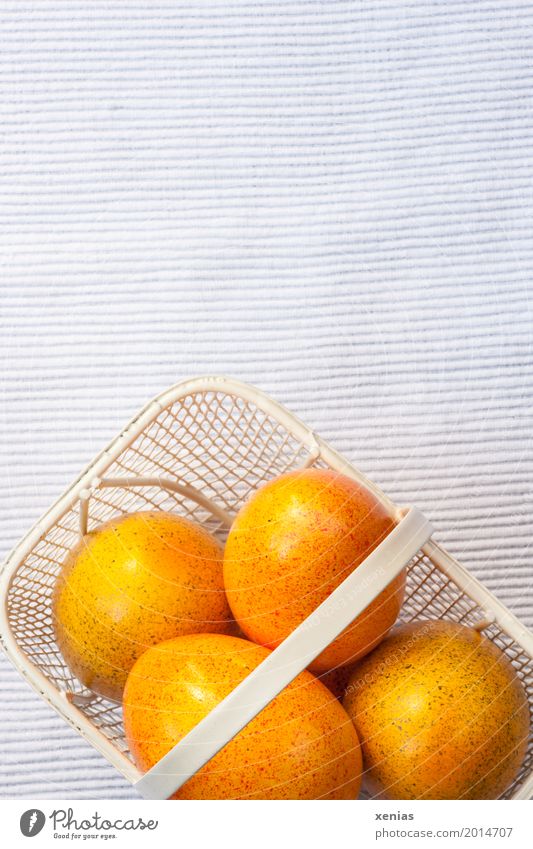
<point>135,581</point>
<point>301,746</point>
<point>291,545</point>
<point>441,714</point>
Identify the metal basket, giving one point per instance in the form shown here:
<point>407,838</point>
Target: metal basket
<point>200,449</point>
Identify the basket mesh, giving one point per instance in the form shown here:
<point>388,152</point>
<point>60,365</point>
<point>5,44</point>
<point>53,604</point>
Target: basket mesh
<point>225,447</point>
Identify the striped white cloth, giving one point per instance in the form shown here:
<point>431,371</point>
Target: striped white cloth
<point>332,200</point>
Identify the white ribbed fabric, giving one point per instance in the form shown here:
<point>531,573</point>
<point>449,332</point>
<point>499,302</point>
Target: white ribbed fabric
<point>330,200</point>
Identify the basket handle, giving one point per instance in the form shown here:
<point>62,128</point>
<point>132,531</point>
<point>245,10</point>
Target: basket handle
<point>290,658</point>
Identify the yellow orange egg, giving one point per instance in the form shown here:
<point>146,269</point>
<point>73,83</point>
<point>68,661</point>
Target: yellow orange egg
<point>135,581</point>
<point>292,544</point>
<point>301,746</point>
<point>441,714</point>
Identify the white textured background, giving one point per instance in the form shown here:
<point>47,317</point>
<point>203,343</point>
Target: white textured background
<point>332,200</point>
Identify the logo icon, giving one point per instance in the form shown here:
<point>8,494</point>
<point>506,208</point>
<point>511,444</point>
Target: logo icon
<point>32,822</point>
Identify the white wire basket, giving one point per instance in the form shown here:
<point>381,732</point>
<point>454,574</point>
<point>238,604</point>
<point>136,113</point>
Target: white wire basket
<point>200,449</point>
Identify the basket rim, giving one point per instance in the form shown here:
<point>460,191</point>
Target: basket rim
<point>468,583</point>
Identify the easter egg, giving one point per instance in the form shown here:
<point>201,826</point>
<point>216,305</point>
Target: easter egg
<point>441,714</point>
<point>300,746</point>
<point>136,580</point>
<point>296,539</point>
